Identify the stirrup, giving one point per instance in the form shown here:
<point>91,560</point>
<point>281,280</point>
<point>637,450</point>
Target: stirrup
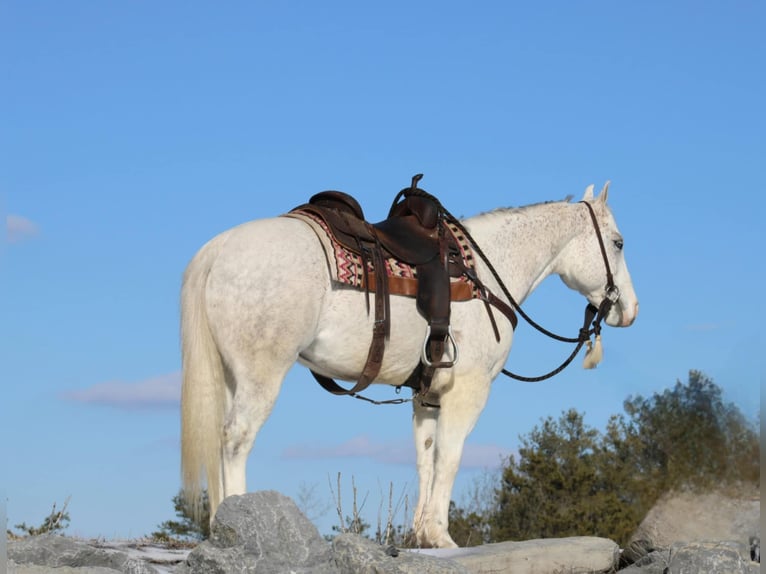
<point>442,364</point>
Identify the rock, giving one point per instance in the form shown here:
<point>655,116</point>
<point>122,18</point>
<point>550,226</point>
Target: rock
<point>54,551</point>
<point>14,568</point>
<point>553,555</point>
<point>688,516</point>
<point>635,550</point>
<point>709,557</point>
<point>263,530</point>
<point>695,558</point>
<point>357,555</point>
<point>656,562</point>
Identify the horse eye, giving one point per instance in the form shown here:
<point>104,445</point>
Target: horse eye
<point>618,244</point>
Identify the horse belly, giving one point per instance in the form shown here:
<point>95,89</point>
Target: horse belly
<point>344,335</point>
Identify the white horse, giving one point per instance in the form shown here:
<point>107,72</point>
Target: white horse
<point>259,297</point>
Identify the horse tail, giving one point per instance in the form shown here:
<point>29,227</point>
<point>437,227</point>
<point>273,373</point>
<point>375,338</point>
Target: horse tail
<point>203,388</point>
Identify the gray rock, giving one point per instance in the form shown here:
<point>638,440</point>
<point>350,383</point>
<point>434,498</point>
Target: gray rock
<point>14,568</point>
<point>694,516</point>
<point>655,562</point>
<point>53,551</point>
<point>265,532</point>
<point>696,558</point>
<point>709,557</point>
<point>552,555</point>
<point>635,550</point>
<point>357,555</point>
<point>262,529</point>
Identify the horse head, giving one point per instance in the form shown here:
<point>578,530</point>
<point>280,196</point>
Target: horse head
<point>596,252</point>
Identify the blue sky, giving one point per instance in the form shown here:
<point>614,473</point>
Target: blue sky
<point>133,132</point>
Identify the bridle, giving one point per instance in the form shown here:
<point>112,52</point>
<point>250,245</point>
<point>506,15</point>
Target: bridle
<point>611,291</point>
<point>593,315</point>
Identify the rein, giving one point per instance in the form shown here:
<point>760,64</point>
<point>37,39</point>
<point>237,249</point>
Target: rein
<point>593,314</point>
<point>591,323</point>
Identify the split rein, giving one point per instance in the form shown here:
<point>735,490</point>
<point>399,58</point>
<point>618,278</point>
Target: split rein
<point>593,315</point>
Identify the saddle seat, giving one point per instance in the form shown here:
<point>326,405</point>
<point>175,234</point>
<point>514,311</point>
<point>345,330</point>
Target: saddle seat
<point>410,233</point>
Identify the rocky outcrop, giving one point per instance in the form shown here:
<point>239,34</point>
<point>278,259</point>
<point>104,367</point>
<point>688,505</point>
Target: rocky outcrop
<point>576,554</point>
<point>730,557</point>
<point>41,553</point>
<point>355,554</point>
<point>14,568</point>
<point>714,532</point>
<point>694,516</point>
<point>265,532</point>
<point>695,558</point>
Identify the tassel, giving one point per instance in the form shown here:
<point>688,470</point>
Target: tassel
<point>594,354</point>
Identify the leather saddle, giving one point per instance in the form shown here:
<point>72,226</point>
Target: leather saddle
<point>409,234</point>
<point>414,233</point>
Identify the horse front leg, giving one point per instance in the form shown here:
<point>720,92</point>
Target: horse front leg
<point>424,421</point>
<point>460,409</point>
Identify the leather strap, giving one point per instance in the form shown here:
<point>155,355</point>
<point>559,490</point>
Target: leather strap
<point>381,330</point>
<point>501,306</point>
<point>459,290</point>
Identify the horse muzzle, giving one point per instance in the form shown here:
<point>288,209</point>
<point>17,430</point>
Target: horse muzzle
<point>622,315</point>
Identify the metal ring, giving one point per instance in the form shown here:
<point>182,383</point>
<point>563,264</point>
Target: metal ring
<point>424,356</point>
<point>613,294</point>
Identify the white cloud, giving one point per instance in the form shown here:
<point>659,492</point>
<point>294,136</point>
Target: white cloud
<point>20,228</point>
<point>397,452</point>
<point>162,391</point>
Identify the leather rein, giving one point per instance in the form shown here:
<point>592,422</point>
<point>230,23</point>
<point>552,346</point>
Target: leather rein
<point>593,315</point>
<point>591,323</point>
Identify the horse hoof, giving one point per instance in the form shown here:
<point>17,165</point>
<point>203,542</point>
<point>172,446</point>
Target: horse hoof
<point>438,541</point>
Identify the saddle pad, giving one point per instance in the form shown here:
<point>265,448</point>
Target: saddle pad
<point>346,267</point>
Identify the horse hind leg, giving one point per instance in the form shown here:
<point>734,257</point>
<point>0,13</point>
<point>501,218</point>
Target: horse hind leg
<point>253,391</point>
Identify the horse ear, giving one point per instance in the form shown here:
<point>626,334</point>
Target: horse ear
<point>604,192</point>
<point>588,193</point>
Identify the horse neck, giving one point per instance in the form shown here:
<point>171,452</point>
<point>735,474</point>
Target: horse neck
<point>524,244</point>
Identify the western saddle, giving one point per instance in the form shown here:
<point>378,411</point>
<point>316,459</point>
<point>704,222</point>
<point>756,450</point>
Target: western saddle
<point>414,233</point>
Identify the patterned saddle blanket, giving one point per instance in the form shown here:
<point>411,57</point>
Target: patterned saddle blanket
<point>347,268</point>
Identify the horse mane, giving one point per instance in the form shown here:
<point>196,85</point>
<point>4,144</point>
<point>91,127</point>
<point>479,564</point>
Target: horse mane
<point>522,208</point>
